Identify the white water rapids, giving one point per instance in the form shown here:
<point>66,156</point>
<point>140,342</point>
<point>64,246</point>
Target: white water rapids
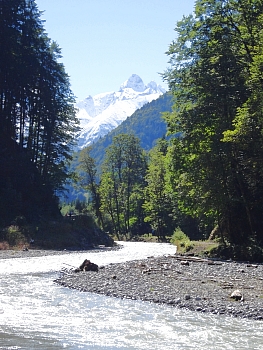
<point>36,313</point>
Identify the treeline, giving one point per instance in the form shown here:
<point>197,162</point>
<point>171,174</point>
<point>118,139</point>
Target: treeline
<point>131,197</point>
<point>37,115</point>
<point>145,123</point>
<point>213,173</point>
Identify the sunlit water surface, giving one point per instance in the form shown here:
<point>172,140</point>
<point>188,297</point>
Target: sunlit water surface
<point>35,313</point>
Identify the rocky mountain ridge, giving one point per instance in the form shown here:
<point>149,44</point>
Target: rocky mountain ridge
<point>102,113</point>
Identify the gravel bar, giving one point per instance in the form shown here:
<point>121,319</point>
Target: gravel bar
<point>200,285</point>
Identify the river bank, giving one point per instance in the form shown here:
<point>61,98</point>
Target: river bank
<point>178,281</point>
<point>33,253</point>
<point>185,282</point>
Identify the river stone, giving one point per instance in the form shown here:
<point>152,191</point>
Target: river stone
<point>237,295</point>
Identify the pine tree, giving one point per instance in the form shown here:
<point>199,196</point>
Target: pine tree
<point>37,115</point>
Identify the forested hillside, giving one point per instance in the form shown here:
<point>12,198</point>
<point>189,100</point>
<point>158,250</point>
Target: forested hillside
<point>146,123</point>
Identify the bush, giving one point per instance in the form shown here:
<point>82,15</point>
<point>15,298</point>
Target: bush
<point>84,221</point>
<point>249,252</point>
<point>13,236</point>
<point>181,240</point>
<point>54,235</point>
<point>73,232</point>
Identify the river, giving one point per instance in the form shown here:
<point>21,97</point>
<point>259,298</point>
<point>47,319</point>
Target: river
<point>36,313</point>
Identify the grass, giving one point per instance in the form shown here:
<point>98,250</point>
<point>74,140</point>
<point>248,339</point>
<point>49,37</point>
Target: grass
<point>203,248</point>
<point>198,248</point>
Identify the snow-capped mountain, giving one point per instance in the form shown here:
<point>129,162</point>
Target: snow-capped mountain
<point>100,114</point>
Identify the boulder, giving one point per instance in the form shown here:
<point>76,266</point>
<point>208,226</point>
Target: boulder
<point>87,265</point>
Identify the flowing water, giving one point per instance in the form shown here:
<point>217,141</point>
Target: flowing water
<point>35,313</point>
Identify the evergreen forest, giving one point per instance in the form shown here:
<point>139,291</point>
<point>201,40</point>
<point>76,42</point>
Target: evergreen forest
<point>38,126</point>
<point>203,178</point>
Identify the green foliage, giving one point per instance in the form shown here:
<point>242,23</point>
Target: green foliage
<point>37,115</point>
<point>13,235</point>
<point>88,180</point>
<point>22,192</point>
<point>158,202</point>
<point>242,252</point>
<point>17,235</point>
<point>74,208</point>
<point>146,124</point>
<point>215,167</point>
<point>178,235</point>
<point>181,240</point>
<point>122,181</point>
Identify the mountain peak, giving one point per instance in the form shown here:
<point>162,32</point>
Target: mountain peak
<point>101,113</point>
<point>134,82</point>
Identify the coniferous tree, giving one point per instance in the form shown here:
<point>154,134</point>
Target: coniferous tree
<point>37,116</point>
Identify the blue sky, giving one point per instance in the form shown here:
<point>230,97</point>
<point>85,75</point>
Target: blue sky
<point>104,42</point>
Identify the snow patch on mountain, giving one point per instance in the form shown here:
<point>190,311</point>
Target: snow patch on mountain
<point>135,83</point>
<point>100,114</point>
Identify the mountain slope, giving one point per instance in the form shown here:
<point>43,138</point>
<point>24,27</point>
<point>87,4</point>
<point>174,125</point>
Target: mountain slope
<point>100,114</point>
<point>146,123</point>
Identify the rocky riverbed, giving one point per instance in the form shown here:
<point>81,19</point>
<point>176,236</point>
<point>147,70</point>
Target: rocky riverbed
<point>193,283</point>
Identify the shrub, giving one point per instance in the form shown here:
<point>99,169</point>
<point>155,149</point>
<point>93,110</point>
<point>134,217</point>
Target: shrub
<point>181,240</point>
<point>13,236</point>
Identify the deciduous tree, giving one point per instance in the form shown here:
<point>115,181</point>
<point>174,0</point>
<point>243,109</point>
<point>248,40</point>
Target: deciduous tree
<point>123,173</point>
<point>211,75</point>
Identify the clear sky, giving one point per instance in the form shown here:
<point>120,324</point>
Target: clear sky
<point>104,42</point>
